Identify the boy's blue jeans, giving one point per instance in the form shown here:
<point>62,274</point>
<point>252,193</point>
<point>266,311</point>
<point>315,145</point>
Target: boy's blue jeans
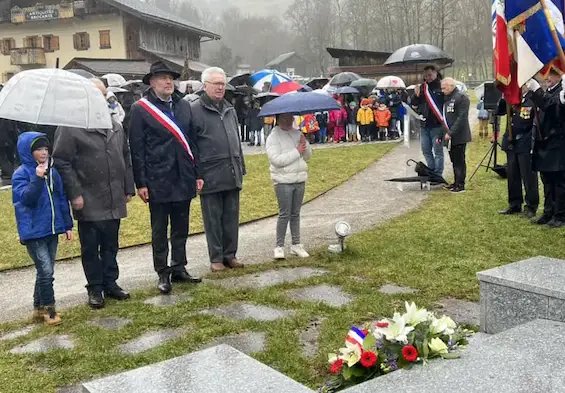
<point>43,253</point>
<point>323,135</point>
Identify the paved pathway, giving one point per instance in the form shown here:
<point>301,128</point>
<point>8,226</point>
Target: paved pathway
<point>364,201</point>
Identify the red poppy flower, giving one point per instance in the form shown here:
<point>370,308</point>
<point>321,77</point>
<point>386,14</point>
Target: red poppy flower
<point>365,331</point>
<point>382,324</point>
<point>336,366</point>
<point>410,353</point>
<point>368,359</point>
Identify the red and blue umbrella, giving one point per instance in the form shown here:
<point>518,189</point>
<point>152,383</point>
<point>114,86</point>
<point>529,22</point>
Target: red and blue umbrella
<point>274,77</point>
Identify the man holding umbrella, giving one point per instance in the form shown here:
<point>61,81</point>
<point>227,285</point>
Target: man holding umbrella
<point>165,167</point>
<point>429,101</point>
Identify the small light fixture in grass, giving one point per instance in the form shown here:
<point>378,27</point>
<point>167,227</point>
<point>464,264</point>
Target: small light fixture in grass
<point>342,230</point>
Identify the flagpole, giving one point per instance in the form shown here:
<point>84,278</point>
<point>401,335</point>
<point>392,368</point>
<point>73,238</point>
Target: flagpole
<point>553,32</point>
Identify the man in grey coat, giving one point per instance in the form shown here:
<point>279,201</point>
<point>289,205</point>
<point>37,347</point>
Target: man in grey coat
<point>97,174</point>
<point>222,168</point>
<point>458,134</point>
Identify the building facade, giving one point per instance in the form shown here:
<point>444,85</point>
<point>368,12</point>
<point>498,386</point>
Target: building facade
<point>54,33</point>
<point>290,63</point>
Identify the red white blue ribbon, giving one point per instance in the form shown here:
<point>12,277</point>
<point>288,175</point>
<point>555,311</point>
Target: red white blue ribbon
<point>356,336</point>
<point>166,122</point>
<point>433,106</point>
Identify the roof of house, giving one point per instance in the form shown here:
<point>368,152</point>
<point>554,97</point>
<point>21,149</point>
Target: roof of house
<point>279,59</point>
<point>145,10</point>
<point>195,66</point>
<point>110,66</point>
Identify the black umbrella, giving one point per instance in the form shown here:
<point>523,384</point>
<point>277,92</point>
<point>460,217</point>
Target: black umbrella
<point>364,82</point>
<point>419,54</point>
<point>344,79</point>
<point>83,73</point>
<point>245,90</point>
<point>240,79</point>
<point>263,98</point>
<point>425,174</point>
<point>318,82</point>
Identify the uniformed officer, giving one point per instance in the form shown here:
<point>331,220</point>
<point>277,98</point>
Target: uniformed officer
<point>549,148</point>
<point>519,149</point>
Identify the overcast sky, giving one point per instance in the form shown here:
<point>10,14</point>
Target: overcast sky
<point>263,7</point>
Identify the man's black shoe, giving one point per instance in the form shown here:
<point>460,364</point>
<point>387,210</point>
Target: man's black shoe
<point>457,190</point>
<point>164,284</point>
<point>116,293</point>
<point>449,187</point>
<point>555,223</point>
<point>543,220</point>
<point>510,210</point>
<point>95,299</point>
<point>529,213</point>
<point>183,276</point>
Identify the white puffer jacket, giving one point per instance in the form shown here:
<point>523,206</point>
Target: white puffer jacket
<point>287,165</point>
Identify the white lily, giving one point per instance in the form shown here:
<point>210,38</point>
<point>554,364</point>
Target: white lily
<point>437,346</point>
<point>396,329</point>
<point>332,357</point>
<point>444,325</point>
<point>351,354</point>
<point>415,315</point>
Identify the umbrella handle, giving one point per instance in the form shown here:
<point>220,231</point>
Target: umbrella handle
<point>409,161</point>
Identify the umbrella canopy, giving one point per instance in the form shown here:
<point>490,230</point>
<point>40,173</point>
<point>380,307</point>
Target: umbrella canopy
<point>245,90</point>
<point>480,91</point>
<point>240,79</point>
<point>286,87</point>
<point>194,85</point>
<point>321,91</point>
<point>329,88</point>
<point>114,79</point>
<point>274,77</point>
<point>115,89</point>
<point>347,90</point>
<point>83,73</point>
<point>318,82</point>
<point>344,79</point>
<point>266,97</point>
<point>54,97</point>
<point>298,104</point>
<point>419,54</point>
<point>364,82</point>
<point>391,82</point>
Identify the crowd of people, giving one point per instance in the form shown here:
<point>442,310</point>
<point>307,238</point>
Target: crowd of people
<point>174,150</point>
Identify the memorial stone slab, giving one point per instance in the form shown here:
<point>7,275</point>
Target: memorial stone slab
<point>110,323</point>
<point>242,311</point>
<point>219,369</point>
<point>167,300</point>
<point>150,340</point>
<point>520,292</point>
<point>71,389</point>
<point>328,294</point>
<point>391,289</point>
<point>45,344</point>
<point>17,333</point>
<point>517,362</point>
<point>248,342</point>
<point>269,278</point>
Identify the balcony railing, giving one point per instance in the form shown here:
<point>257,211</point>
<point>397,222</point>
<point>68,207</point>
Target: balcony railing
<point>27,56</point>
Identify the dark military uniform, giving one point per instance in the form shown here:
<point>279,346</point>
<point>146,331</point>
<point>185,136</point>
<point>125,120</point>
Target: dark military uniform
<point>519,156</point>
<point>549,154</point>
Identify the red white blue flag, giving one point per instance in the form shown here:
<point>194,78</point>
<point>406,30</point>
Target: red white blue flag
<point>356,336</point>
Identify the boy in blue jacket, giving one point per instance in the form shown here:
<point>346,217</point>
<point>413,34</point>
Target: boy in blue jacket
<point>42,213</point>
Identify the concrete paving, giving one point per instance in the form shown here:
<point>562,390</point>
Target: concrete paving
<point>365,201</point>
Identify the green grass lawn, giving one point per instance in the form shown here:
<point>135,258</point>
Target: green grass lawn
<point>437,249</point>
<point>328,168</point>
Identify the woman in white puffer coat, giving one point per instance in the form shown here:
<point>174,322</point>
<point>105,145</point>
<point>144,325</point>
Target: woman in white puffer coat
<point>288,150</point>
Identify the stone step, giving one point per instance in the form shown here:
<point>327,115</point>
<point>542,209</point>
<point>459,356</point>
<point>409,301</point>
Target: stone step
<point>527,358</point>
<point>220,369</point>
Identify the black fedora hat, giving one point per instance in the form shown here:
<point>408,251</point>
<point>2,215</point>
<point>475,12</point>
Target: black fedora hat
<point>159,67</point>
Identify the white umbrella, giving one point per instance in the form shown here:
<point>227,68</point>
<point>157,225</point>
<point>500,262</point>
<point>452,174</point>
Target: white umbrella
<point>329,89</point>
<point>54,97</point>
<point>480,90</point>
<point>115,79</point>
<point>115,89</point>
<point>391,82</point>
<point>321,91</point>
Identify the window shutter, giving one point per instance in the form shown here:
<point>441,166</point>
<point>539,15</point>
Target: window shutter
<point>26,42</point>
<point>12,44</point>
<point>3,49</point>
<point>76,41</point>
<point>86,41</point>
<point>46,43</point>
<point>55,43</point>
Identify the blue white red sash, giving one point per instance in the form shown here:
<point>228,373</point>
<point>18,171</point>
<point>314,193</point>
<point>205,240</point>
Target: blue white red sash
<point>168,123</point>
<point>433,106</point>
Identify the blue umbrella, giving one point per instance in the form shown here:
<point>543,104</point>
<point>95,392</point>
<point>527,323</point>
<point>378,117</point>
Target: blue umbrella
<point>299,104</point>
<point>274,77</point>
<point>347,90</point>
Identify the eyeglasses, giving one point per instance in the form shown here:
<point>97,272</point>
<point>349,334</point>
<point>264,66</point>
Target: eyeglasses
<point>220,85</point>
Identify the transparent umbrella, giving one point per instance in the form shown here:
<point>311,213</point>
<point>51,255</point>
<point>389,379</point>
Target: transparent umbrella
<point>54,97</point>
<point>114,80</point>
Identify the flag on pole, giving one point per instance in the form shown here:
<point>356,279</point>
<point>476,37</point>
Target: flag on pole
<point>532,31</point>
<point>504,63</point>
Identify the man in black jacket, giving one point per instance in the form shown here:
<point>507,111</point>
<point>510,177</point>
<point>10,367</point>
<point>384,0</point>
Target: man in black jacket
<point>165,166</point>
<point>519,155</point>
<point>431,133</point>
<point>456,109</point>
<point>8,141</point>
<point>222,168</point>
<point>549,149</point>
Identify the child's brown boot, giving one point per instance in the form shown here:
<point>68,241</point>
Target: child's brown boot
<point>37,315</point>
<point>51,317</point>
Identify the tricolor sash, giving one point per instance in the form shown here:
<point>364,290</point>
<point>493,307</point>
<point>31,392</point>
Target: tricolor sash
<point>433,106</point>
<point>168,123</point>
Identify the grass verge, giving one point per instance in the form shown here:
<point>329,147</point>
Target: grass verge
<point>437,249</point>
<point>328,168</point>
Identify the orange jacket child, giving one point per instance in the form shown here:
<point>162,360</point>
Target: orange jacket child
<point>382,116</point>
